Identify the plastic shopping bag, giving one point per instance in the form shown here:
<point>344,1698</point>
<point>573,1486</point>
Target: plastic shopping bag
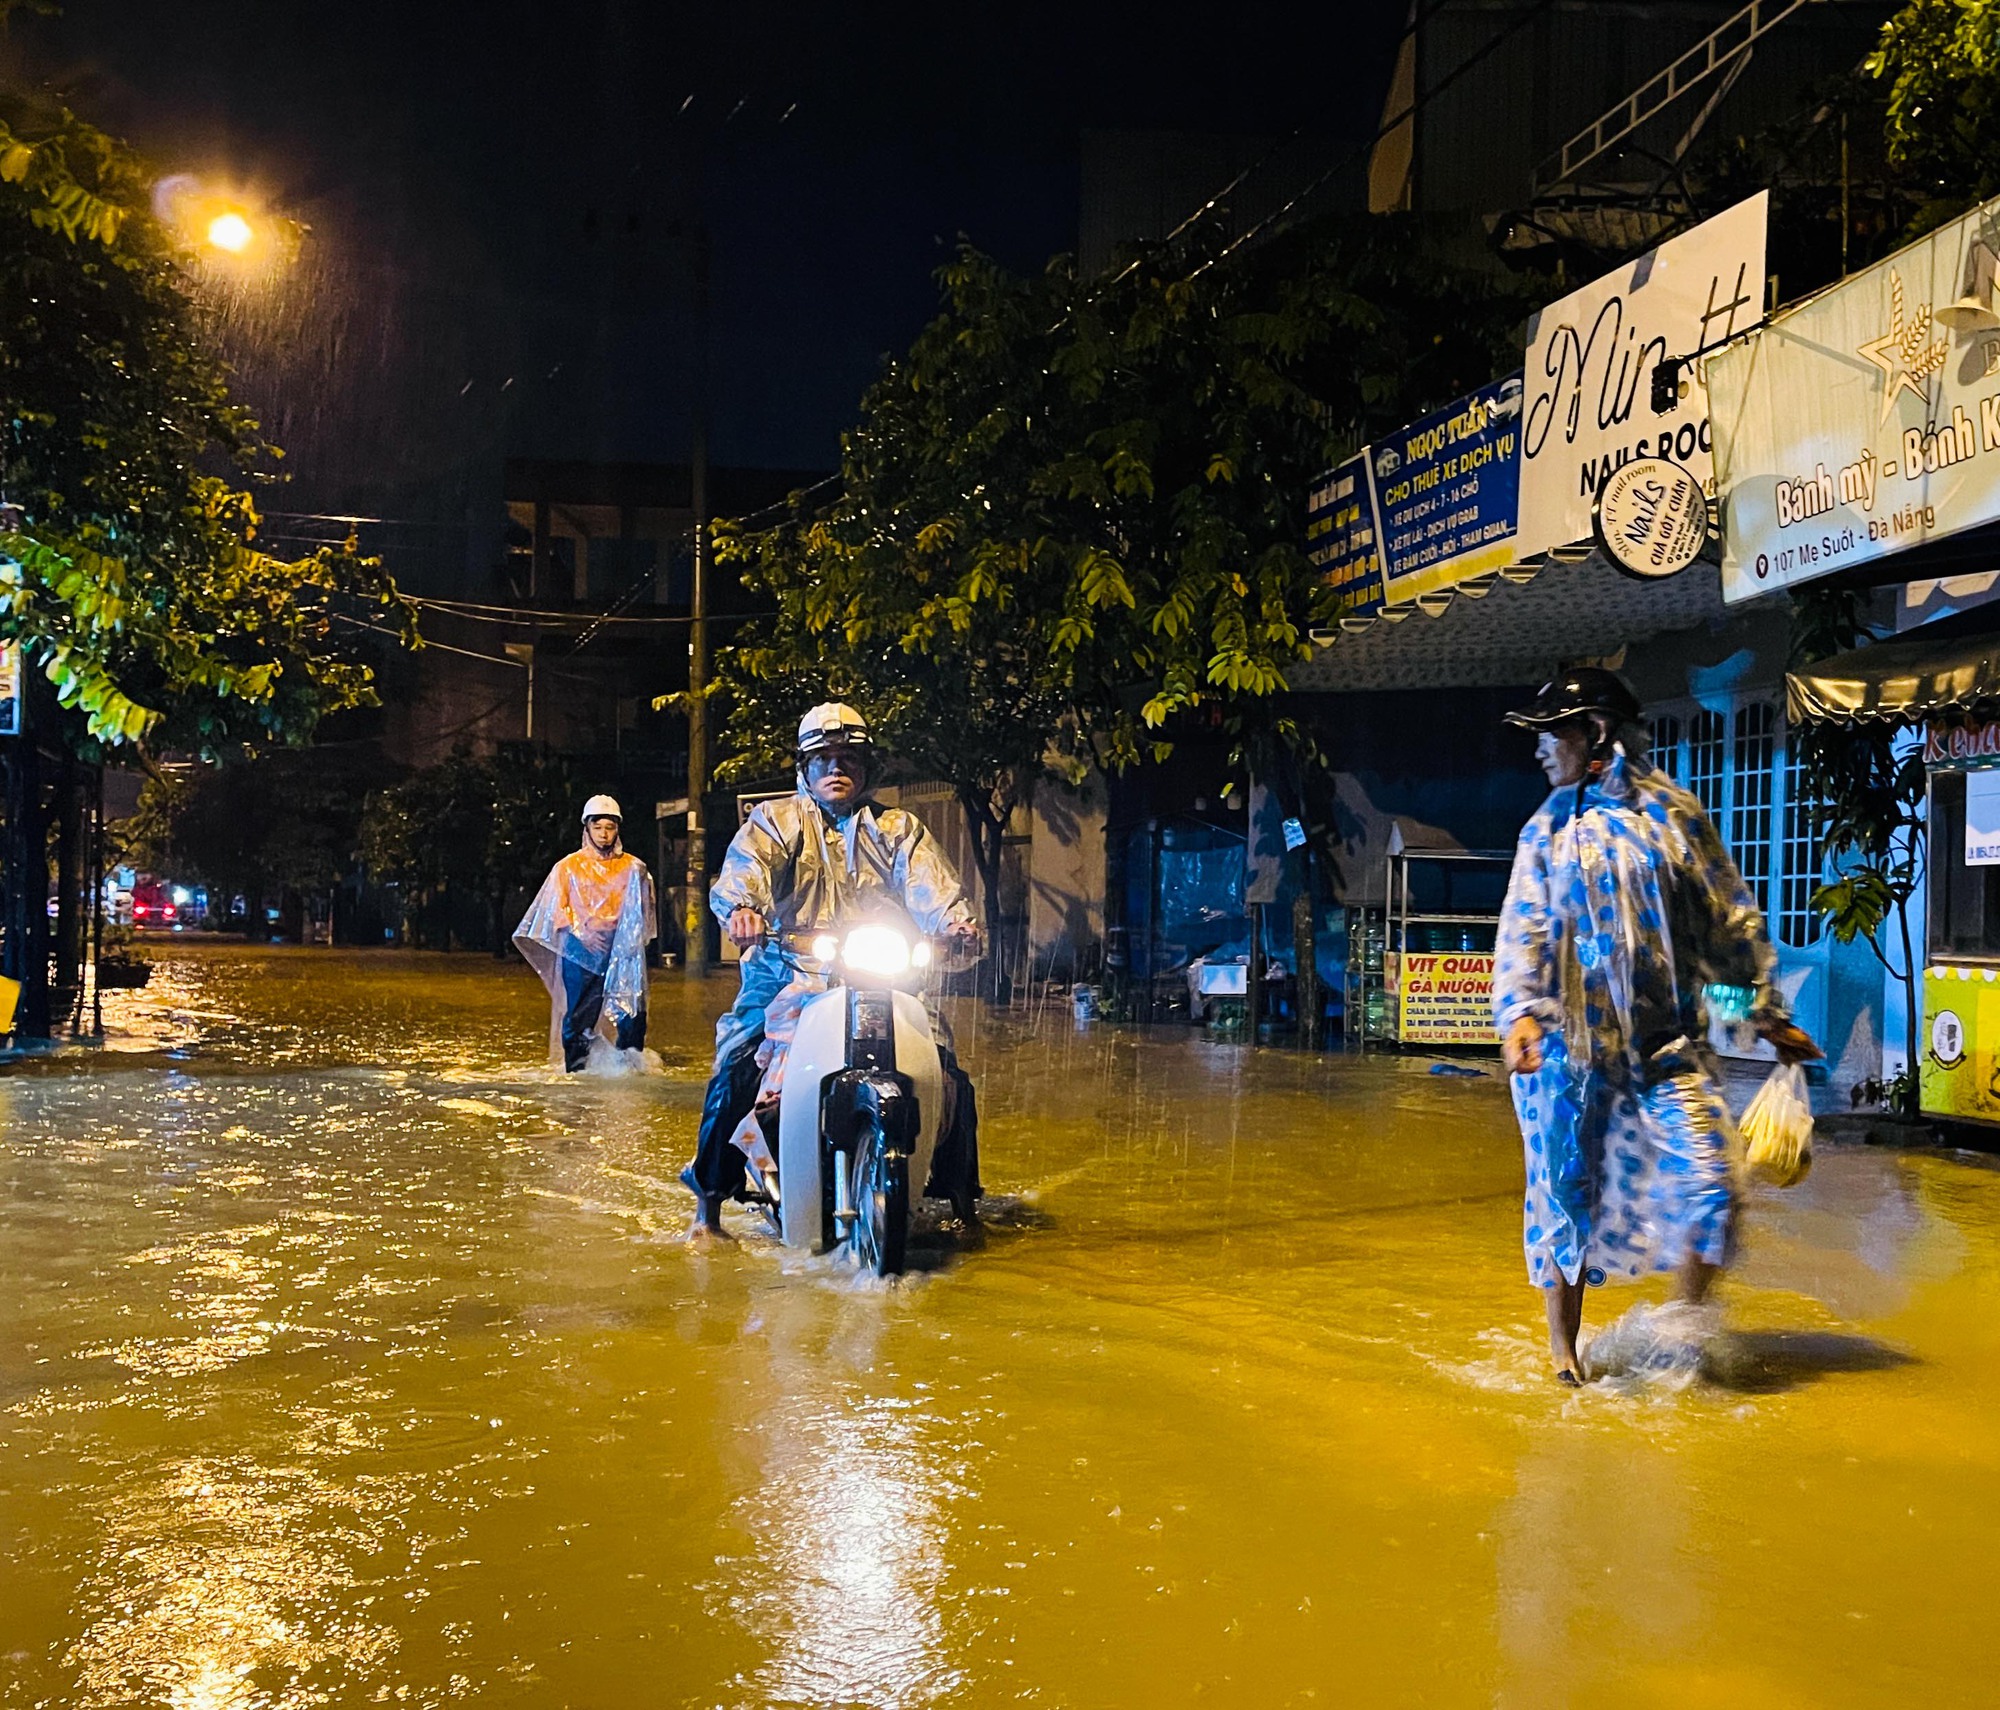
<point>1777,1128</point>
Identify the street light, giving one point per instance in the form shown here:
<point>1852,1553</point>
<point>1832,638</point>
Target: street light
<point>230,231</point>
<point>229,226</point>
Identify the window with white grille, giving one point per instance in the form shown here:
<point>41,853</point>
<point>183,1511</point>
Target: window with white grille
<point>1801,866</point>
<point>1666,740</point>
<point>1706,751</point>
<point>1752,796</point>
<point>1737,764</point>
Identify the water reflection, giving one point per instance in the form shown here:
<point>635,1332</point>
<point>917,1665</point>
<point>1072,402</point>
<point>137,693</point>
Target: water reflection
<point>347,1356</point>
<point>225,1584</point>
<point>845,1522</point>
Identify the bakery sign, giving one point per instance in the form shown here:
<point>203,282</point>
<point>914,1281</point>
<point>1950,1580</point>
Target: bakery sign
<point>1866,421</point>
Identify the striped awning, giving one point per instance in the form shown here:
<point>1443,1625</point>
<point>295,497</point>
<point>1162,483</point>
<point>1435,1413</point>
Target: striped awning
<point>1907,680</point>
<point>1512,626</point>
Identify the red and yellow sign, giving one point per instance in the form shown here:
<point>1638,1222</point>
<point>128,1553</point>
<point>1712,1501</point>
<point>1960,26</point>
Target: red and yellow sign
<point>1445,999</point>
<point>1961,742</point>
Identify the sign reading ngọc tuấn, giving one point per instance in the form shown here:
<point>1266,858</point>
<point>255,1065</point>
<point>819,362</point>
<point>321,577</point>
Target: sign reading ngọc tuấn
<point>1445,998</point>
<point>1447,492</point>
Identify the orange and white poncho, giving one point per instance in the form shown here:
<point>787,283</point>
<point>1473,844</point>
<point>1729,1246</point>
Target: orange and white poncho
<point>594,912</point>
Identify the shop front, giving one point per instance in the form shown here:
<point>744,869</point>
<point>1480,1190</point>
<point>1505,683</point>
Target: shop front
<point>1857,444</point>
<point>1942,691</point>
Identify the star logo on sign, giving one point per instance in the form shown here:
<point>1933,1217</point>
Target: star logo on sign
<point>1903,354</point>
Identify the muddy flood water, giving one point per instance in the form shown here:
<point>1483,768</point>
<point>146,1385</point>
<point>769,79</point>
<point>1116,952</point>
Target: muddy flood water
<point>349,1357</point>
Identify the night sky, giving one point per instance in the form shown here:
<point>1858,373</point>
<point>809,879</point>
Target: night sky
<point>502,196</point>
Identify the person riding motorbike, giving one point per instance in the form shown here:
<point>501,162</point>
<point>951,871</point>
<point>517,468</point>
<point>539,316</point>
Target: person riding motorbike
<point>813,863</point>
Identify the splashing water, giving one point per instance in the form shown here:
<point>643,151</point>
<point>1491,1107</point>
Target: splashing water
<point>347,1355</point>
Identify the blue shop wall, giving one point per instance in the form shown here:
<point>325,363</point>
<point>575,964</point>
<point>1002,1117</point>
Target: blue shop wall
<point>1439,764</point>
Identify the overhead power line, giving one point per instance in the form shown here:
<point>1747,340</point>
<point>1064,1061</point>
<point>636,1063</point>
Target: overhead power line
<point>1479,55</point>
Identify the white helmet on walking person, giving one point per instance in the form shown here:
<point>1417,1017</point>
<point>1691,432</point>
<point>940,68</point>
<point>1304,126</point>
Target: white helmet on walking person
<point>603,807</point>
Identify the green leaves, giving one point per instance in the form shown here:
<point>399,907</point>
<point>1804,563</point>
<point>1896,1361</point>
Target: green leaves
<point>135,583</point>
<point>1072,513</point>
<point>1941,62</point>
<point>1857,905</point>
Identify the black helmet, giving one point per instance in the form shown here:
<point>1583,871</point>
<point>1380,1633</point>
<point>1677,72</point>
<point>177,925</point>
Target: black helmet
<point>1586,689</point>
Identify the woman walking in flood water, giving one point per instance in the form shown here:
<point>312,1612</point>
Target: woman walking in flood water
<point>1623,905</point>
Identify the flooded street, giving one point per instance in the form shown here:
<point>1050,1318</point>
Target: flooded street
<point>348,1357</point>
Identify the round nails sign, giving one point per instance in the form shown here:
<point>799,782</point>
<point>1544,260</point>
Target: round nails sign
<point>1651,518</point>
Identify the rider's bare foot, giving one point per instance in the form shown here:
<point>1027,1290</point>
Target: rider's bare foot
<point>707,1229</point>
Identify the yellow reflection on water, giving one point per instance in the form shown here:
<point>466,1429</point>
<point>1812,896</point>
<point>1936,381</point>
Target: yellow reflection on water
<point>347,1356</point>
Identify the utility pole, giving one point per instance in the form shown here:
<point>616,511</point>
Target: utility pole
<point>696,917</point>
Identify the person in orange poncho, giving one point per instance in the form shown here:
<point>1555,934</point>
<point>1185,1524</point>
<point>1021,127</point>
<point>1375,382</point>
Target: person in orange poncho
<point>586,935</point>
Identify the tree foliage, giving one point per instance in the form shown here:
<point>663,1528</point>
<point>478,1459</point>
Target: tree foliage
<point>130,569</point>
<point>1940,62</point>
<point>1072,515</point>
<point>1869,791</point>
<point>289,821</point>
<point>468,835</point>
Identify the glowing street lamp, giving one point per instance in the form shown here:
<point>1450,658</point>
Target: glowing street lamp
<point>231,232</point>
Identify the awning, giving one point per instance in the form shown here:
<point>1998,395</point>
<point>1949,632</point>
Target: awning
<point>1929,671</point>
<point>1509,626</point>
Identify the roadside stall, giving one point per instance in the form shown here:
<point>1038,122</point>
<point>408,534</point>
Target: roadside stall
<point>1857,439</point>
<point>1420,967</point>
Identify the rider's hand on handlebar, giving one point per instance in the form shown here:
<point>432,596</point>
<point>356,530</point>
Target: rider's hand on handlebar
<point>746,927</point>
<point>962,931</point>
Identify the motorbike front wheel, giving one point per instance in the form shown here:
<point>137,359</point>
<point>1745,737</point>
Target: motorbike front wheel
<point>882,1205</point>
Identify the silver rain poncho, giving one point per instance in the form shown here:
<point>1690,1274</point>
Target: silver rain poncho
<point>804,869</point>
<point>594,912</point>
<point>1617,916</point>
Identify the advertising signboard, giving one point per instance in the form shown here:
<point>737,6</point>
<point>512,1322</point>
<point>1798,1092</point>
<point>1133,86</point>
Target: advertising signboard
<point>1959,1072</point>
<point>1341,539</point>
<point>1447,490</point>
<point>1445,999</point>
<point>1652,519</point>
<point>1867,420</point>
<point>1588,399</point>
<point>1982,818</point>
<point>1956,744</point>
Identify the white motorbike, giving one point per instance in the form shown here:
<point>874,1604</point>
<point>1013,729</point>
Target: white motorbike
<point>863,1105</point>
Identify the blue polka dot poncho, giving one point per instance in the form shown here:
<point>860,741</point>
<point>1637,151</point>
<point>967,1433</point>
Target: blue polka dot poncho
<point>1617,916</point>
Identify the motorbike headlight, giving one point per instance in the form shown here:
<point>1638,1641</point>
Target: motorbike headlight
<point>876,950</point>
<point>920,957</point>
<point>825,947</point>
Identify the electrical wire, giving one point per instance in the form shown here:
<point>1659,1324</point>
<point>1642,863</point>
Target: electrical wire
<point>1520,22</point>
<point>442,646</point>
<point>1421,15</point>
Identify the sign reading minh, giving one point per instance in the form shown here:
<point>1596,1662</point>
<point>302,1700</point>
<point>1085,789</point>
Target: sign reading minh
<point>1587,403</point>
<point>1865,421</point>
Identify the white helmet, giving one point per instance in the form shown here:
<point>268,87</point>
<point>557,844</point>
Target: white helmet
<point>603,807</point>
<point>833,724</point>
